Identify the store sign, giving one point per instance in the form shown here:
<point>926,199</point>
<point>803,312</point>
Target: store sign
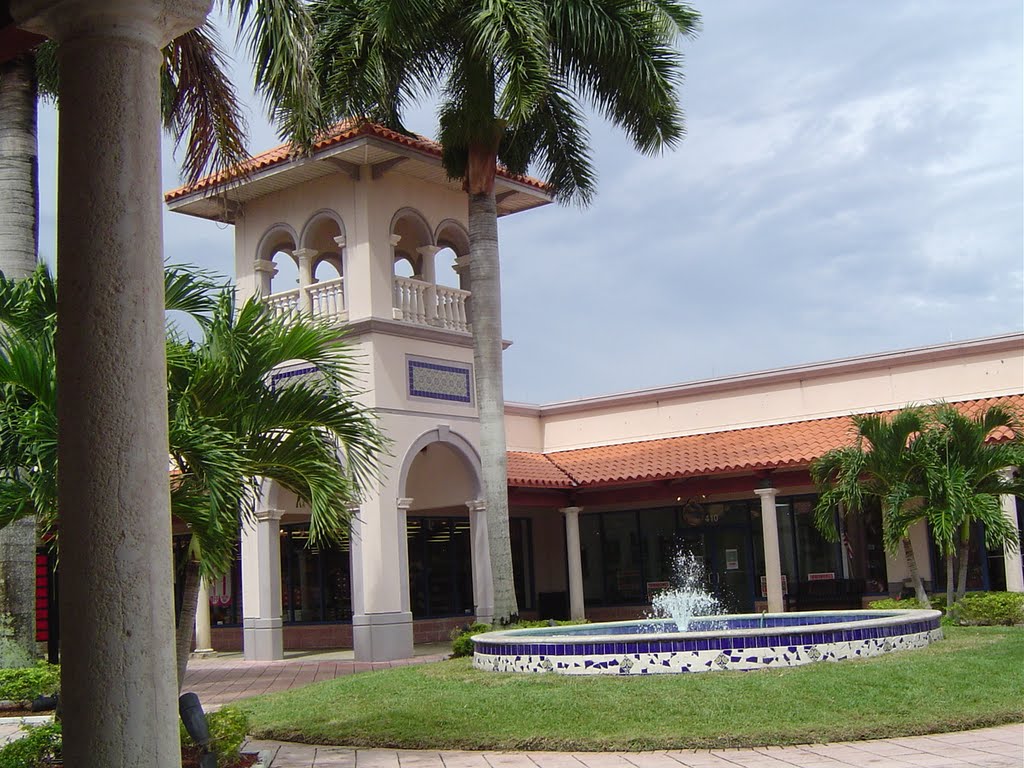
<point>220,590</point>
<point>764,586</point>
<point>732,559</point>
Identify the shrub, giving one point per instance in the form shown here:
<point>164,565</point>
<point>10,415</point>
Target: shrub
<point>936,602</point>
<point>228,729</point>
<point>462,645</point>
<point>25,683</point>
<point>40,742</point>
<point>990,608</point>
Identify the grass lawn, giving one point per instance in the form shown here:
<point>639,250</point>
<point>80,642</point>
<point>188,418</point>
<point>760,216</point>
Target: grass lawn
<point>974,678</point>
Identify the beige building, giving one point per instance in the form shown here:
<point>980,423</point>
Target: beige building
<point>369,233</point>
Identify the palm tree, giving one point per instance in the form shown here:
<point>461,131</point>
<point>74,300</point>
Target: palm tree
<point>229,424</point>
<point>513,75</point>
<point>886,462</point>
<point>966,477</point>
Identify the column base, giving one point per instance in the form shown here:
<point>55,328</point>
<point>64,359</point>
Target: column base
<point>382,636</point>
<point>262,640</point>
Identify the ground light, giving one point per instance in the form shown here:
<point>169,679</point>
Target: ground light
<point>194,718</point>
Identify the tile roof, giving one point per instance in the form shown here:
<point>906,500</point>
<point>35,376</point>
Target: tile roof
<point>340,133</point>
<point>777,446</point>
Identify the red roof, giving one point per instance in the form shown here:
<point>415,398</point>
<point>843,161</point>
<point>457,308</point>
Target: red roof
<point>339,134</point>
<point>778,446</point>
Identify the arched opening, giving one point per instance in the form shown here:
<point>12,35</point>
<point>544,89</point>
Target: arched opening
<point>412,232</point>
<point>453,240</point>
<point>440,478</point>
<point>277,246</point>
<point>324,233</point>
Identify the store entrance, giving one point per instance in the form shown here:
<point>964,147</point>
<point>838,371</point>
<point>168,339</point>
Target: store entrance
<point>728,563</point>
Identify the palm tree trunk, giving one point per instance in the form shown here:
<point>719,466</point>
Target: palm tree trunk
<point>915,576</point>
<point>485,286</point>
<point>186,617</point>
<point>19,168</point>
<point>949,580</point>
<point>19,240</point>
<point>964,554</point>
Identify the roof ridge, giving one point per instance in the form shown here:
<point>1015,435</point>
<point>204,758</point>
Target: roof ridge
<point>575,482</point>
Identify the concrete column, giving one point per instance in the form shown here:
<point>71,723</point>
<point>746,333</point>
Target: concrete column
<point>575,562</point>
<point>772,558</point>
<point>1011,558</point>
<point>119,686</point>
<point>262,637</point>
<point>429,275</point>
<point>381,620</point>
<point>304,257</point>
<point>265,270</point>
<point>483,579</point>
<point>204,643</point>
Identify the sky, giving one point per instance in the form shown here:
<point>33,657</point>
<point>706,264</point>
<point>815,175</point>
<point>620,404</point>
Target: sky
<point>852,181</point>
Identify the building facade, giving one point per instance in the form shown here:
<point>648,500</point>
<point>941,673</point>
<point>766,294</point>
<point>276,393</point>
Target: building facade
<point>369,233</point>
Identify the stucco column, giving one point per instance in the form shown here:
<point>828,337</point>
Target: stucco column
<point>381,615</point>
<point>304,257</point>
<point>574,561</point>
<point>262,637</point>
<point>429,275</point>
<point>772,558</point>
<point>265,272</point>
<point>1011,558</point>
<point>119,685</point>
<point>204,643</point>
<point>483,580</point>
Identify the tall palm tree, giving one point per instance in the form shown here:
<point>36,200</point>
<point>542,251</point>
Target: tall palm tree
<point>966,477</point>
<point>514,75</point>
<point>886,462</point>
<point>229,424</point>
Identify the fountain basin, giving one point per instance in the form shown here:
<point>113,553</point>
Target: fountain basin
<point>712,643</point>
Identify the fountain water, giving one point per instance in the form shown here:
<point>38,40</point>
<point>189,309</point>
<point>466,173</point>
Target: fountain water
<point>688,597</point>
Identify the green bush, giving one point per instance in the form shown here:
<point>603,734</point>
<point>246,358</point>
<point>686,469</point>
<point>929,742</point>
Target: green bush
<point>40,742</point>
<point>462,645</point>
<point>25,683</point>
<point>990,608</point>
<point>936,602</point>
<point>228,729</point>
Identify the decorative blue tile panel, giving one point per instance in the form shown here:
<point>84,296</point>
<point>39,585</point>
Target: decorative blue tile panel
<point>280,378</point>
<point>449,381</point>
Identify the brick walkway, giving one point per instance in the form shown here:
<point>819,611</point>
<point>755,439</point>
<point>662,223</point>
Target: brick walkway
<point>226,678</point>
<point>1001,747</point>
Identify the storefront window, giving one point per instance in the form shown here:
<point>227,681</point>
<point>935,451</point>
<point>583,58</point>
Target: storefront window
<point>440,566</point>
<point>315,583</point>
<point>592,558</point>
<point>863,548</point>
<point>623,571</point>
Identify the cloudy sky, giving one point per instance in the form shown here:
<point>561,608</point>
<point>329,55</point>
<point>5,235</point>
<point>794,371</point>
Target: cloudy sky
<point>852,182</point>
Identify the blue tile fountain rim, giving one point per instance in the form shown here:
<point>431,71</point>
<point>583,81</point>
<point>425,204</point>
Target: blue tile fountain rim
<point>834,627</point>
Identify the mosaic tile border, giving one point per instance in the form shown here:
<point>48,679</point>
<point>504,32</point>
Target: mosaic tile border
<point>450,381</point>
<point>742,647</point>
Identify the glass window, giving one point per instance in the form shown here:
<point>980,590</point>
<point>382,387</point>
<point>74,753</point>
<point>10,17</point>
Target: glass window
<point>658,543</point>
<point>621,547</point>
<point>592,559</point>
<point>816,556</point>
<point>440,566</point>
<point>315,582</point>
<point>863,548</point>
<point>519,529</point>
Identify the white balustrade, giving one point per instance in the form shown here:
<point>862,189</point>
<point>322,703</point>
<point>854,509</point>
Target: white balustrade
<point>451,308</point>
<point>422,303</point>
<point>285,304</point>
<point>410,300</point>
<point>327,300</point>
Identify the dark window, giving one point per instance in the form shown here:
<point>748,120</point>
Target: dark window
<point>440,566</point>
<point>315,582</point>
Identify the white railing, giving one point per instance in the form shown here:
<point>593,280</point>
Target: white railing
<point>327,300</point>
<point>284,304</point>
<point>451,308</point>
<point>410,300</point>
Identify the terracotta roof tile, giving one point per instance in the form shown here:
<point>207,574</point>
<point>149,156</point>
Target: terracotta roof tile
<point>777,446</point>
<point>340,133</point>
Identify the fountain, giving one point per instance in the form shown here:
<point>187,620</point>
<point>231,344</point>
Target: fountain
<point>684,634</point>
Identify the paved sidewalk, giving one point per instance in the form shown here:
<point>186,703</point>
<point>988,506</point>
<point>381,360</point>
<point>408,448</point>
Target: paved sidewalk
<point>225,678</point>
<point>1001,747</point>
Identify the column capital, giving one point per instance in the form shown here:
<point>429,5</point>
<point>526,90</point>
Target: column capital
<point>307,254</point>
<point>265,265</point>
<point>339,241</point>
<point>477,505</point>
<point>570,510</point>
<point>461,264</point>
<point>404,503</point>
<point>395,239</point>
<point>428,250</point>
<point>269,515</point>
<point>156,22</point>
<point>762,492</point>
